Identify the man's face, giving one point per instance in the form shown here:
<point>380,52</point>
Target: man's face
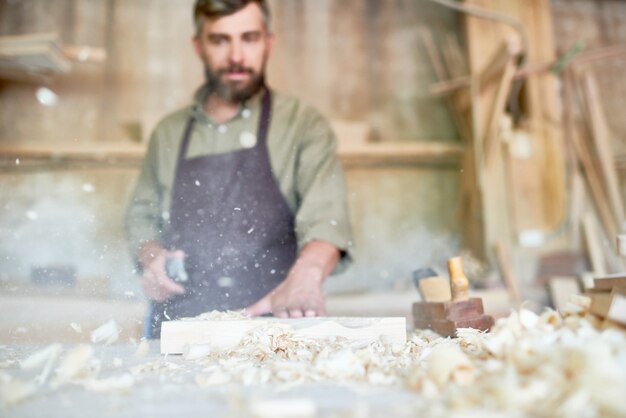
<point>234,50</point>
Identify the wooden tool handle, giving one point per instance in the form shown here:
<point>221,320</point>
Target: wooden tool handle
<point>458,282</point>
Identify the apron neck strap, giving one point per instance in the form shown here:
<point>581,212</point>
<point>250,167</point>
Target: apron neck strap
<point>264,123</point>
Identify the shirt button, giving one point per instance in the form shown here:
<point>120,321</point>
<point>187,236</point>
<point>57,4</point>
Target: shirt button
<point>247,139</point>
<point>246,113</point>
<point>222,129</point>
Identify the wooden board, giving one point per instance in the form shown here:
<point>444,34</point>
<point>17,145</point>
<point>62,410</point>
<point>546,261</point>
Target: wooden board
<point>34,53</point>
<point>617,309</point>
<point>610,305</point>
<point>603,147</point>
<point>400,153</point>
<point>610,281</point>
<point>560,290</point>
<point>224,334</point>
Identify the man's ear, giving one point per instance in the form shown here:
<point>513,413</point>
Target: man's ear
<point>269,42</point>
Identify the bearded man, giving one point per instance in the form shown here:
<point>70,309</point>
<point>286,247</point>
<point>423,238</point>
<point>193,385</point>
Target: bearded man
<point>244,185</point>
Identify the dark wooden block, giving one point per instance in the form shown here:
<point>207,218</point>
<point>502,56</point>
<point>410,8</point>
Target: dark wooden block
<point>445,317</point>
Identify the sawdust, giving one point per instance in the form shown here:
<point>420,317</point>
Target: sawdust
<point>565,364</point>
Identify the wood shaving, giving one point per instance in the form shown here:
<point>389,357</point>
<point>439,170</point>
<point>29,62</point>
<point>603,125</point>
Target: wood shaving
<point>553,364</point>
<point>220,316</point>
<point>76,327</point>
<point>557,364</point>
<point>107,333</point>
<point>15,391</point>
<point>41,357</point>
<point>78,363</point>
<point>142,349</point>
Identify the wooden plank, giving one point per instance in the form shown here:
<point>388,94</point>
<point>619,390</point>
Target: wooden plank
<point>63,150</point>
<point>560,289</point>
<point>507,274</point>
<point>222,335</point>
<point>400,153</point>
<point>600,302</point>
<point>356,152</point>
<point>610,281</point>
<point>33,53</point>
<point>617,309</point>
<point>595,185</point>
<point>490,143</point>
<point>602,141</point>
<point>593,245</point>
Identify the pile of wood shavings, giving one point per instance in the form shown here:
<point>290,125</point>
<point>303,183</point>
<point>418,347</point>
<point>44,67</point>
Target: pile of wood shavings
<point>558,365</point>
<point>552,364</point>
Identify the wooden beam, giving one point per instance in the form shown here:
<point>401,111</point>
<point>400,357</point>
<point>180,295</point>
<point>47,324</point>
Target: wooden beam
<point>33,53</point>
<point>594,245</point>
<point>603,147</point>
<point>401,153</point>
<point>507,274</point>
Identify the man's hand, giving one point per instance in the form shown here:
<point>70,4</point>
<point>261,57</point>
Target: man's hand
<point>156,284</point>
<point>301,294</point>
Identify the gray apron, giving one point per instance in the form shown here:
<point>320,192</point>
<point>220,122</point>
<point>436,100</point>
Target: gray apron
<point>230,218</point>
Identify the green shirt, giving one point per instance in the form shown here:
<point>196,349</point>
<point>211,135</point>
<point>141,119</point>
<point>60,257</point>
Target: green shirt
<point>302,151</point>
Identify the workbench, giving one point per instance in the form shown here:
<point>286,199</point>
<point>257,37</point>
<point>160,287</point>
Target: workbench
<point>557,365</point>
<point>172,392</point>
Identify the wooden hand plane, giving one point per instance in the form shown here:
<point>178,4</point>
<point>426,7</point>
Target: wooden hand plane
<point>445,317</point>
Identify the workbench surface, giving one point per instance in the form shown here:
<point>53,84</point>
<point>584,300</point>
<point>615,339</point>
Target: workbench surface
<point>173,392</point>
<point>557,364</point>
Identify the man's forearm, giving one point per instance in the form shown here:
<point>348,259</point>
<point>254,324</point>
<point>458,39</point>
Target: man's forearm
<point>319,256</point>
<point>148,251</point>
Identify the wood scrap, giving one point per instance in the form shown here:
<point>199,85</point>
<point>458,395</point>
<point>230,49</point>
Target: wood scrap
<point>561,289</point>
<point>621,245</point>
<point>507,274</point>
<point>593,245</point>
<point>603,149</point>
<point>33,53</point>
<point>610,281</point>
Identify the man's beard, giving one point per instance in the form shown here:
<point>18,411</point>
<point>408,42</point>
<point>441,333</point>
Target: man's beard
<point>234,91</point>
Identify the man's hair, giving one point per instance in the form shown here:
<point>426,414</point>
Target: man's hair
<point>213,9</point>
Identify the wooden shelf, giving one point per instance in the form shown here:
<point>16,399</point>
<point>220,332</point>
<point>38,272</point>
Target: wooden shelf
<point>29,156</point>
<point>15,156</point>
<point>401,153</point>
<point>33,53</point>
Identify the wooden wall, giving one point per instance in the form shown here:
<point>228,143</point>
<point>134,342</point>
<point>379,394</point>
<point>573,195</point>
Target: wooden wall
<point>355,60</point>
<point>598,23</point>
<point>358,60</point>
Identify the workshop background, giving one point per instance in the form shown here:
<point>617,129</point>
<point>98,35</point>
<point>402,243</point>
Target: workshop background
<point>480,138</point>
<point>458,135</point>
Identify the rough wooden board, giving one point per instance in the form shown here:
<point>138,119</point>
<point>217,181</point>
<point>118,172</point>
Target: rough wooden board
<point>507,273</point>
<point>560,290</point>
<point>222,335</point>
<point>401,153</point>
<point>617,309</point>
<point>355,153</point>
<point>34,53</point>
<point>610,281</point>
<point>602,141</point>
<point>593,245</point>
